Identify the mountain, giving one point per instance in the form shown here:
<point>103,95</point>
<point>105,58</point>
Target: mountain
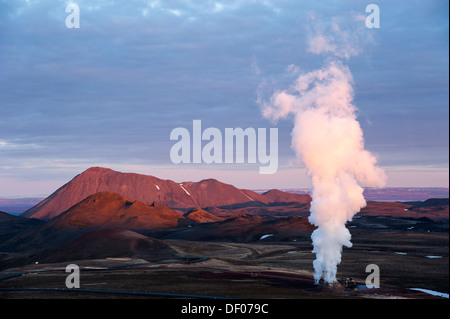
<point>108,209</point>
<point>278,196</point>
<point>199,215</point>
<point>145,188</point>
<point>433,209</point>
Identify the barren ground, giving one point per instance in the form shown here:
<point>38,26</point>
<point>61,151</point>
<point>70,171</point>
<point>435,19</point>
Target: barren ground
<point>262,269</point>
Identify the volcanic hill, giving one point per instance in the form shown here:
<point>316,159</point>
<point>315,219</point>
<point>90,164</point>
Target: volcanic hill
<point>199,215</point>
<point>89,224</point>
<point>108,209</point>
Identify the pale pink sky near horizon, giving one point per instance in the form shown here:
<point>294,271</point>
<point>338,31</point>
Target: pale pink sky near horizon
<point>287,178</point>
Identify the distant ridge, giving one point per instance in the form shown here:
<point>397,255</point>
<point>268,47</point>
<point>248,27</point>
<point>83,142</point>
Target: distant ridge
<point>278,196</point>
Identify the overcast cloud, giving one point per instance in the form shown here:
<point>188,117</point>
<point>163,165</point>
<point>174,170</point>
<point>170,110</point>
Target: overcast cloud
<point>112,91</point>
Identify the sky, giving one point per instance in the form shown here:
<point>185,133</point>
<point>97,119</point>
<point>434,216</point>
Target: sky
<point>110,92</point>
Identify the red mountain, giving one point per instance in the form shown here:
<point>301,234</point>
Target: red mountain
<point>201,216</point>
<point>144,188</point>
<point>278,196</point>
<point>107,209</point>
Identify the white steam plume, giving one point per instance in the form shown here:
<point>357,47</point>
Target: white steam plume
<point>328,139</point>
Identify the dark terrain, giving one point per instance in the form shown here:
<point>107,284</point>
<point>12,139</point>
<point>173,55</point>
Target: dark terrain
<point>210,239</point>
